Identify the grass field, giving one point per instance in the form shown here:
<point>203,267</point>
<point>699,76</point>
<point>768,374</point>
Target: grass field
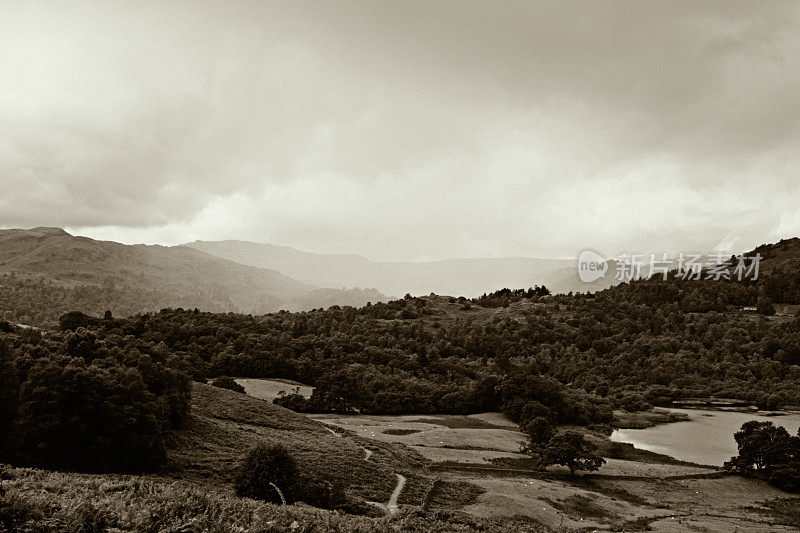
<point>634,491</point>
<point>269,389</point>
<point>193,493</point>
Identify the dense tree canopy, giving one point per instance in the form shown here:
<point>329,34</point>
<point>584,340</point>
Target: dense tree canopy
<point>73,401</point>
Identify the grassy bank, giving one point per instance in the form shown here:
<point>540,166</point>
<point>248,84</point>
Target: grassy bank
<point>44,502</point>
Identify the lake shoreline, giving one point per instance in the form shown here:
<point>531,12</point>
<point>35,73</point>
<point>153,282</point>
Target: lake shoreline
<point>666,415</point>
<point>702,436</point>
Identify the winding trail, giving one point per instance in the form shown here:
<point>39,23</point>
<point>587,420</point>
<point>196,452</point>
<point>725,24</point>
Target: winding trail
<point>392,505</point>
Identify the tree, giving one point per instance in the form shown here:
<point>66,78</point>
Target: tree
<point>75,319</point>
<point>570,449</point>
<point>764,306</point>
<point>78,416</point>
<point>768,452</point>
<point>9,398</point>
<point>266,473</point>
<point>539,431</point>
<point>761,445</point>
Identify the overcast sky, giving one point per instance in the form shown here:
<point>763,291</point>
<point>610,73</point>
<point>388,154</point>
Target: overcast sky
<point>405,130</point>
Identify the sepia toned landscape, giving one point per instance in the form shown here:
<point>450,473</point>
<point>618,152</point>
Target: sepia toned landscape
<point>421,413</point>
<point>446,266</point>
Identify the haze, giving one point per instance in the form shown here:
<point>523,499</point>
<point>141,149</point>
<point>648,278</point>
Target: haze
<point>405,131</point>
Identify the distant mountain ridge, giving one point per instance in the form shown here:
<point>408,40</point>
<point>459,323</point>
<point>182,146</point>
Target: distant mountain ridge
<point>152,276</point>
<point>456,277</point>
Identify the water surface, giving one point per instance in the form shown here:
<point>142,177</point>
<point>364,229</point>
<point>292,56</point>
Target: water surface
<point>707,438</point>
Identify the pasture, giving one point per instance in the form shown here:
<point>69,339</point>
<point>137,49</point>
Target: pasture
<point>636,493</point>
<point>269,389</point>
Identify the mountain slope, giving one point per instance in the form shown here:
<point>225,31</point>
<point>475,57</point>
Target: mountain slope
<point>457,277</point>
<point>90,275</point>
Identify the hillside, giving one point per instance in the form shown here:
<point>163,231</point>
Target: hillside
<point>65,272</point>
<point>779,270</point>
<point>223,425</point>
<point>458,277</point>
<point>648,342</point>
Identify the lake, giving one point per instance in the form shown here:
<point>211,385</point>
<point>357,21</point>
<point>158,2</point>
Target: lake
<point>707,438</point>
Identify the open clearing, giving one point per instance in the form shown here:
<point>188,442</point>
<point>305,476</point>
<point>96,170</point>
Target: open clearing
<point>630,495</point>
<point>441,431</point>
<point>269,389</point>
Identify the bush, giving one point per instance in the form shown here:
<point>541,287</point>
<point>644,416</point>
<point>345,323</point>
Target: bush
<point>263,467</point>
<point>15,511</point>
<point>318,492</point>
<point>786,477</point>
<point>226,382</point>
<point>295,402</point>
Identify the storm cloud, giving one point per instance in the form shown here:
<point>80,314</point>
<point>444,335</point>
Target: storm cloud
<point>405,130</point>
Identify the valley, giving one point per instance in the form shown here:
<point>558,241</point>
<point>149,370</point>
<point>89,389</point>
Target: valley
<point>484,452</point>
<point>432,413</point>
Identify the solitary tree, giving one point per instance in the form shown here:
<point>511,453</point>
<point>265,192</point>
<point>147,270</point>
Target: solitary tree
<point>570,449</point>
<point>762,446</point>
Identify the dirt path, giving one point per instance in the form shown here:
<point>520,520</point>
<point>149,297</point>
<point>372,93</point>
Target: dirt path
<point>392,505</point>
<point>334,432</point>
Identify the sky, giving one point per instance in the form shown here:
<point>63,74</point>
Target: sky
<point>405,130</point>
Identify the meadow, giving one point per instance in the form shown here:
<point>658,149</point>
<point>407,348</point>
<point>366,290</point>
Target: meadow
<point>634,491</point>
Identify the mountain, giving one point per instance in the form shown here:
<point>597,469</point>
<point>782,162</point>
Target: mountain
<point>457,277</point>
<point>62,269</point>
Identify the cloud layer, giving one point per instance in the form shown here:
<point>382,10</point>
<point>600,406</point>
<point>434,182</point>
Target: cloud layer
<point>405,130</point>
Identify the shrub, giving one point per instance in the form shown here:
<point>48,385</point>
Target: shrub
<point>318,492</point>
<point>14,512</point>
<point>786,477</point>
<point>295,402</point>
<point>263,467</point>
<point>226,382</point>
